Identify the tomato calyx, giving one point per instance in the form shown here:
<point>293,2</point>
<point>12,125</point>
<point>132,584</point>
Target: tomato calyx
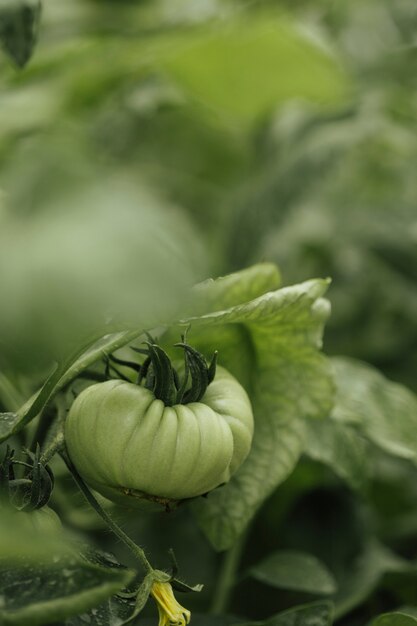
<point>159,375</point>
<point>33,490</point>
<point>168,504</point>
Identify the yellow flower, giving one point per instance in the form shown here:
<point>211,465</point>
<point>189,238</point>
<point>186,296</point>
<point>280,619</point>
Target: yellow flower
<point>171,613</point>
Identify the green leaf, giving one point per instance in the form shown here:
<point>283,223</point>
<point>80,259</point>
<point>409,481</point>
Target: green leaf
<point>299,571</point>
<point>320,228</point>
<point>227,291</point>
<point>113,612</point>
<point>340,447</point>
<point>19,23</point>
<point>383,411</point>
<point>287,379</point>
<point>365,574</point>
<point>35,595</point>
<point>10,395</point>
<point>314,614</point>
<point>43,577</point>
<point>268,61</point>
<point>394,619</point>
<point>11,423</point>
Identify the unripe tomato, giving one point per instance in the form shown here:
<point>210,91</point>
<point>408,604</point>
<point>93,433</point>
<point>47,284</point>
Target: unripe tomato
<point>44,520</point>
<point>128,445</point>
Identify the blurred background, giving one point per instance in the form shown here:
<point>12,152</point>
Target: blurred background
<point>238,131</point>
<point>150,144</point>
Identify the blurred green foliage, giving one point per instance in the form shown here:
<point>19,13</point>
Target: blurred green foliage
<point>198,137</point>
<point>242,114</point>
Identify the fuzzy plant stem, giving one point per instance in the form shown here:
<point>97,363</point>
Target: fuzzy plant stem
<point>56,445</point>
<point>135,549</point>
<point>227,576</point>
<point>44,423</point>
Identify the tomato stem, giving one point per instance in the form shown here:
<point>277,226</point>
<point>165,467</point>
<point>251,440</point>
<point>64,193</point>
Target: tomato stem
<point>226,579</point>
<point>133,547</point>
<point>160,377</point>
<point>55,446</point>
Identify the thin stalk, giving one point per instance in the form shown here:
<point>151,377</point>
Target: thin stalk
<point>227,577</point>
<point>135,549</point>
<point>54,442</point>
<point>56,445</point>
<point>44,423</point>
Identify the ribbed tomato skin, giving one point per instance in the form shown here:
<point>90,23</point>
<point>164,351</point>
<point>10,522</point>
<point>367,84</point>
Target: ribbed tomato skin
<point>122,439</point>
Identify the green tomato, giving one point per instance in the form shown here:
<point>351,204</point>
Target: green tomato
<point>129,446</point>
<point>43,520</point>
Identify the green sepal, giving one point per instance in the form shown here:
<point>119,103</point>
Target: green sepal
<point>35,494</point>
<point>131,364</point>
<point>161,376</point>
<point>177,584</point>
<point>163,380</point>
<point>199,374</point>
<point>142,595</point>
<point>182,587</point>
<point>183,386</point>
<point>42,482</point>
<point>212,367</point>
<point>143,372</point>
<point>6,475</point>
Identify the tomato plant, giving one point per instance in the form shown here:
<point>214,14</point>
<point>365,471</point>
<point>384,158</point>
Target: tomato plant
<point>177,448</point>
<point>164,441</point>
